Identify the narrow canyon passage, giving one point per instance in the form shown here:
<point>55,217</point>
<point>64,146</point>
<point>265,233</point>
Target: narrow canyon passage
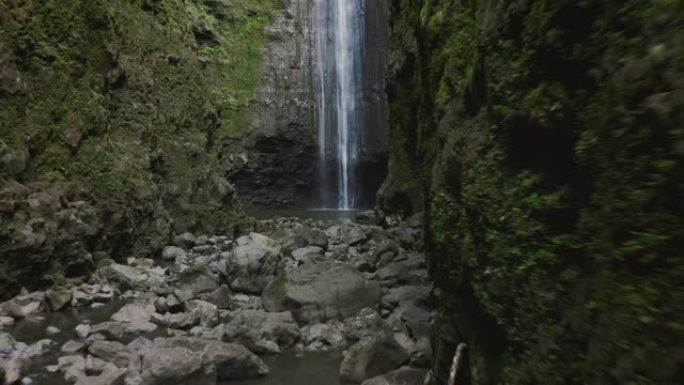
<point>329,192</point>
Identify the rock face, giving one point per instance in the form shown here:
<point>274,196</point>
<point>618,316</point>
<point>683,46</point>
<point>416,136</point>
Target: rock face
<point>321,291</point>
<point>97,157</point>
<point>279,147</point>
<point>532,190</point>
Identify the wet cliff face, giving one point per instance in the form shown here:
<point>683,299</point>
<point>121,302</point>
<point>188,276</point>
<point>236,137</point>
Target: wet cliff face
<point>113,122</point>
<point>278,144</point>
<point>544,142</point>
<point>278,139</point>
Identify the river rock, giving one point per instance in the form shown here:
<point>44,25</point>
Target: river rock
<point>194,361</point>
<point>133,313</point>
<point>72,346</point>
<point>308,254</point>
<point>111,351</point>
<point>24,305</point>
<point>117,330</point>
<point>185,240</point>
<point>7,343</point>
<point>321,291</point>
<point>58,298</point>
<point>197,279</point>
<point>83,330</point>
<point>91,371</point>
<point>202,313</point>
<point>372,356</point>
<point>6,321</point>
<point>127,277</point>
<point>252,264</point>
<point>401,376</point>
<point>221,297</point>
<point>12,369</point>
<point>263,332</point>
<point>173,253</point>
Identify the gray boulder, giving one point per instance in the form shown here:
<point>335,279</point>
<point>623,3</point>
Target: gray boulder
<point>191,360</point>
<point>263,332</point>
<point>322,291</point>
<point>308,254</point>
<point>198,280</point>
<point>126,277</point>
<point>185,240</point>
<point>372,356</point>
<point>173,253</point>
<point>252,264</point>
<point>111,351</point>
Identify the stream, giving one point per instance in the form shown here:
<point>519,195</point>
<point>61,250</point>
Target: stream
<point>278,306</point>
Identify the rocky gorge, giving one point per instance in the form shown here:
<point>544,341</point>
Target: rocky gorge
<point>208,307</point>
<point>524,160</point>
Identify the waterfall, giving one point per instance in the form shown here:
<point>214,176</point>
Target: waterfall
<point>339,26</point>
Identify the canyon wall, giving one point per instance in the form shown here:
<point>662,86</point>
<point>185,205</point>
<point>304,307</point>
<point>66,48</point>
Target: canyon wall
<point>544,142</point>
<point>278,142</point>
<point>114,122</point>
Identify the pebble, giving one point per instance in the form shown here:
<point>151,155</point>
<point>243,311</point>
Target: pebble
<point>52,330</point>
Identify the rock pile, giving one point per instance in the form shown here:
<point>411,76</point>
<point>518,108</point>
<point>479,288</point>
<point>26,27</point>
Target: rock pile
<point>208,305</point>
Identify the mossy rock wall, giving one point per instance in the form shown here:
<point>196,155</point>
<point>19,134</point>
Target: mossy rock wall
<point>112,119</point>
<point>545,142</point>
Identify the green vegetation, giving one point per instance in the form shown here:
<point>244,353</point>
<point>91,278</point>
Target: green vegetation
<point>123,105</point>
<point>548,138</point>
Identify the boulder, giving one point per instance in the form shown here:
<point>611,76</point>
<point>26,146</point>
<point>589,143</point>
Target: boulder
<point>173,253</point>
<point>133,313</point>
<point>372,356</point>
<point>308,254</point>
<point>126,277</point>
<point>185,240</point>
<point>111,351</point>
<point>262,332</point>
<point>322,291</point>
<point>252,264</point>
<point>221,297</point>
<point>58,298</point>
<point>202,313</point>
<point>192,360</point>
<point>198,280</point>
<point>161,365</point>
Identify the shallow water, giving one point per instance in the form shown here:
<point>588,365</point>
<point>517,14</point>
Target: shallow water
<point>304,213</point>
<point>32,329</point>
<point>291,368</point>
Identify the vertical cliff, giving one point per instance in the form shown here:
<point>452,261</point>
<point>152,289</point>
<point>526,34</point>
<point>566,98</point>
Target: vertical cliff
<point>544,140</point>
<point>113,119</point>
<point>278,140</point>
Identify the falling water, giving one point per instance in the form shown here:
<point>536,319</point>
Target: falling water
<point>339,76</point>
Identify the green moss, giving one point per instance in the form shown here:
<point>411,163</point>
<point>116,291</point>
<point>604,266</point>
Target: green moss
<point>124,102</point>
<point>545,138</point>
